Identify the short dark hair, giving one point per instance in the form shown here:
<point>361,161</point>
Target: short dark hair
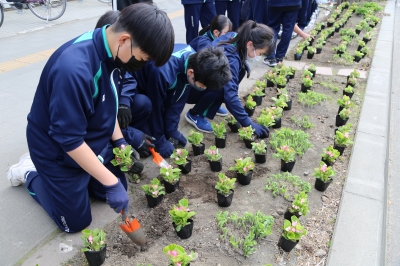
<point>211,67</point>
<point>150,28</point>
<point>107,19</point>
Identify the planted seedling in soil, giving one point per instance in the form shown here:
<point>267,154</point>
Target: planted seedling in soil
<point>286,185</point>
<point>303,122</point>
<point>329,155</point>
<point>177,255</point>
<point>297,139</point>
<point>311,98</point>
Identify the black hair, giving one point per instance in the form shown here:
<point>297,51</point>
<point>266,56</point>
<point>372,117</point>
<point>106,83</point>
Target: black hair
<point>261,35</point>
<point>150,28</point>
<point>218,23</point>
<point>211,67</point>
<point>108,18</point>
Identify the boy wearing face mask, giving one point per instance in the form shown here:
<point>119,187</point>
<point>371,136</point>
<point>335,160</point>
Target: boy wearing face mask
<point>72,125</point>
<point>168,88</point>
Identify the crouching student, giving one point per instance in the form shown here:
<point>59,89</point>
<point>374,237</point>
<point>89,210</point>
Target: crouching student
<point>72,124</point>
<point>168,88</point>
<point>252,41</point>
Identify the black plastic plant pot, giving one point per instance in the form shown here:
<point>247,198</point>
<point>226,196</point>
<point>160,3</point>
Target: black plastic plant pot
<point>304,48</point>
<point>287,166</point>
<point>366,40</point>
<point>169,188</point>
<point>260,158</point>
<point>323,27</point>
<point>280,86</point>
<point>330,24</point>
<point>311,42</point>
<point>185,231</point>
<point>348,94</point>
<point>235,127</point>
<point>319,50</point>
<point>297,57</point>
<point>337,29</point>
<point>220,143</point>
<point>225,201</point>
<point>287,80</point>
<point>340,52</point>
<point>340,109</point>
<point>244,179</point>
<point>153,202</point>
<point>313,72</point>
<point>310,55</point>
<point>340,122</point>
<point>359,48</point>
<point>216,166</point>
<point>357,59</point>
<point>288,215</point>
<point>257,99</point>
<point>278,123</point>
<point>304,88</point>
<point>339,148</point>
<point>185,169</point>
<point>286,245</point>
<point>320,185</point>
<point>327,162</point>
<point>249,112</point>
<point>358,31</point>
<point>270,83</point>
<point>248,142</point>
<point>96,258</point>
<point>289,106</point>
<point>198,150</point>
<point>292,75</point>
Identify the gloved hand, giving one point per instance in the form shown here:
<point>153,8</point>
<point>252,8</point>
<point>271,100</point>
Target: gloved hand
<point>117,197</point>
<point>164,147</point>
<point>121,143</point>
<point>124,116</point>
<point>247,68</point>
<point>260,130</point>
<point>145,144</point>
<point>177,139</point>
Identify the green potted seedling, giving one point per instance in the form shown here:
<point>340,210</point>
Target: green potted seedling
<point>343,117</point>
<point>351,82</point>
<point>179,157</point>
<point>361,44</point>
<point>358,28</point>
<point>299,53</point>
<point>358,56</point>
<point>281,81</point>
<point>260,151</point>
<point>342,140</point>
<point>323,175</point>
<point>262,85</point>
<point>195,138</point>
<point>291,234</point>
<point>285,95</point>
<point>214,159</point>
<point>287,156</point>
<point>171,178</point>
<point>181,219</point>
<point>225,190</point>
<point>266,119</point>
<point>344,102</point>
<point>246,134</point>
<point>154,192</point>
<point>257,95</point>
<point>348,91</point>
<point>94,246</point>
<point>313,69</point>
<point>124,158</point>
<point>298,207</point>
<point>220,134</point>
<point>311,52</point>
<point>329,155</point>
<point>279,102</point>
<point>233,124</point>
<point>292,72</point>
<point>244,170</point>
<point>178,256</point>
<point>318,47</point>
<point>250,106</point>
<point>276,115</point>
<point>306,85</point>
<point>270,77</point>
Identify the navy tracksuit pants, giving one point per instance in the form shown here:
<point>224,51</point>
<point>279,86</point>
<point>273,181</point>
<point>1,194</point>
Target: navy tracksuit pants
<point>302,15</point>
<point>288,20</point>
<point>233,8</point>
<point>194,13</point>
<point>259,10</point>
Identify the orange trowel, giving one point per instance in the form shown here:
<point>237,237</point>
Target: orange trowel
<point>158,159</point>
<point>132,229</point>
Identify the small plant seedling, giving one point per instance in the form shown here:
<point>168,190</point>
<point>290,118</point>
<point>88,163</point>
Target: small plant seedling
<point>333,87</point>
<point>286,185</point>
<point>195,137</point>
<point>250,103</point>
<point>154,189</point>
<point>293,230</point>
<point>297,139</point>
<point>219,129</point>
<point>303,122</point>
<point>259,147</point>
<point>311,98</point>
<point>260,84</point>
<point>285,153</point>
<point>324,172</point>
<point>258,91</point>
<point>243,165</point>
<point>180,214</point>
<point>179,156</point>
<point>230,119</point>
<point>225,184</point>
<point>266,120</point>
<point>213,154</point>
<point>280,101</point>
<point>246,132</point>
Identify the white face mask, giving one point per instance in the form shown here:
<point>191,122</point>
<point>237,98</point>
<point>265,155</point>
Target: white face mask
<point>255,58</point>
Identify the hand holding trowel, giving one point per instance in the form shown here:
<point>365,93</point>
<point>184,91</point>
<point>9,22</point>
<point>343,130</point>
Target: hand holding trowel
<point>132,229</point>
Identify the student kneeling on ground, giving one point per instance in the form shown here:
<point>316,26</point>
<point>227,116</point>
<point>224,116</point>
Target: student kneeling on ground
<point>72,125</point>
<point>168,88</point>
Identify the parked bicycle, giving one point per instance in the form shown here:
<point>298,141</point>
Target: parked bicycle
<point>44,9</point>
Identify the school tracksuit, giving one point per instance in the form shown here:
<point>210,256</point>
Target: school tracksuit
<point>233,7</point>
<point>259,11</point>
<point>202,41</point>
<point>302,16</point>
<point>282,12</point>
<point>168,89</point>
<point>195,11</point>
<point>76,101</point>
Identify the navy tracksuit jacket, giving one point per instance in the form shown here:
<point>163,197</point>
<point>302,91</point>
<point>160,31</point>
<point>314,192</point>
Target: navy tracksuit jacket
<point>76,101</point>
<point>202,41</point>
<point>233,7</point>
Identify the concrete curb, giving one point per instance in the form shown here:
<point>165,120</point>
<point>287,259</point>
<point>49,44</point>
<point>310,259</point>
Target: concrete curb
<point>359,235</point>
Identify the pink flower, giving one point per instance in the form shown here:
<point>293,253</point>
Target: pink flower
<point>285,148</point>
<point>155,193</point>
<point>346,135</point>
<point>293,229</point>
<point>118,159</point>
<point>155,186</point>
<point>176,159</point>
<point>90,239</point>
<point>307,77</point>
<point>188,210</point>
<point>179,151</point>
<point>245,169</point>
<point>122,147</point>
<point>294,223</point>
<point>299,231</point>
<point>287,228</point>
<point>329,153</point>
<point>101,242</point>
<point>323,168</point>
<point>178,264</point>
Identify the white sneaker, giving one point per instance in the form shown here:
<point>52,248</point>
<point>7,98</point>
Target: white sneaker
<point>17,172</point>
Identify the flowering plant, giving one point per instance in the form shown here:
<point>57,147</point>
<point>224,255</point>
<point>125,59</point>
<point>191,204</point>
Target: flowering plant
<point>361,43</point>
<point>284,94</point>
<point>276,111</point>
<point>352,81</point>
<point>299,50</point>
<point>257,92</point>
<point>319,45</point>
<point>312,67</point>
<point>300,204</point>
<point>246,132</point>
<point>154,189</point>
<point>345,113</point>
<point>243,166</point>
<point>324,172</point>
<point>330,154</point>
<point>365,50</point>
<point>181,214</point>
<point>195,137</point>
<point>259,147</point>
<point>93,240</point>
<point>260,84</point>
<point>311,50</point>
<point>292,230</point>
<point>281,80</point>
<point>225,184</point>
<point>213,154</point>
<point>342,139</point>
<point>285,153</point>
<point>307,73</point>
<point>177,255</point>
<point>279,102</point>
<point>179,156</point>
<point>271,75</point>
<point>358,54</point>
<point>368,35</point>
<point>250,103</point>
<point>345,102</point>
<point>266,120</point>
<point>123,157</point>
<point>349,89</point>
<point>170,174</point>
<point>292,69</point>
<point>219,129</point>
<point>307,81</point>
<point>231,119</point>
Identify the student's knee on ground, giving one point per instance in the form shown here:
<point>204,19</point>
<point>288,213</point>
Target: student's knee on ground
<point>141,109</point>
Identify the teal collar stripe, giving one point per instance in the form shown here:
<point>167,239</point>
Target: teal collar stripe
<point>86,36</point>
<point>179,53</point>
<point>96,81</point>
<point>234,35</point>
<point>176,79</point>
<point>105,40</point>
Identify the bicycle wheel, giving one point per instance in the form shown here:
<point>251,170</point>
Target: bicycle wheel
<point>48,9</point>
<point>1,14</point>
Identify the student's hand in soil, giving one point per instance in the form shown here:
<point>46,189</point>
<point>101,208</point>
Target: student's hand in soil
<point>177,139</point>
<point>124,116</point>
<point>165,148</point>
<point>144,146</point>
<point>259,129</point>
<point>117,197</point>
